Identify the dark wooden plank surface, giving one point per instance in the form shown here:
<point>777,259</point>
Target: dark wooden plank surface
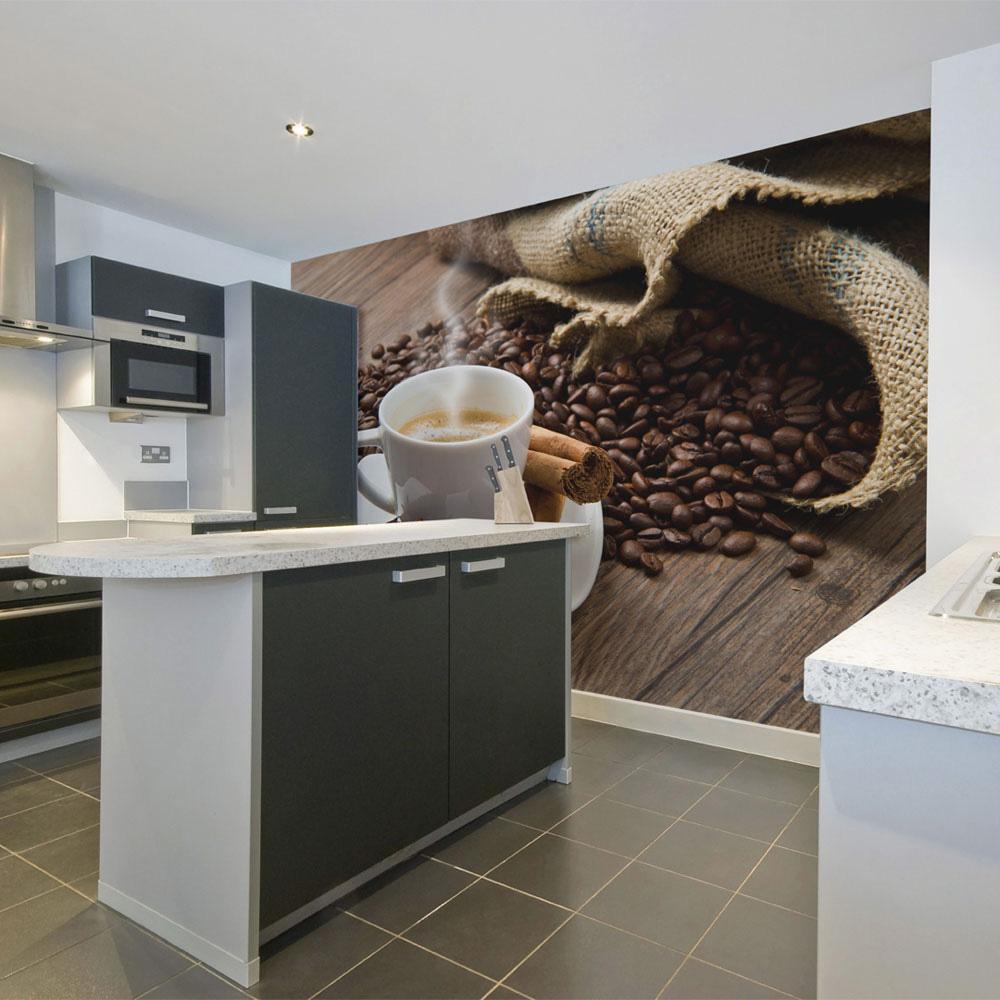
<point>711,634</point>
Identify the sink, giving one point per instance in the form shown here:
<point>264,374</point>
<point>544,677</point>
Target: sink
<point>975,595</point>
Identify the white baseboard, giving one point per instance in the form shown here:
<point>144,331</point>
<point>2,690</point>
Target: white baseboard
<point>246,973</point>
<point>715,730</point>
<point>49,740</point>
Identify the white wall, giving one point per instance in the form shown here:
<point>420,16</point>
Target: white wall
<point>27,448</point>
<point>963,484</point>
<point>96,456</point>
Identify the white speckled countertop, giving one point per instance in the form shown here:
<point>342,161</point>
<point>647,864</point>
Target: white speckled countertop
<point>901,661</point>
<point>229,554</point>
<point>14,561</point>
<point>191,515</point>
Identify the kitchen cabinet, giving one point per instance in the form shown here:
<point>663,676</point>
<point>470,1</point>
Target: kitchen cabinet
<point>507,650</point>
<point>92,287</point>
<point>304,352</point>
<point>354,721</point>
<point>396,695</point>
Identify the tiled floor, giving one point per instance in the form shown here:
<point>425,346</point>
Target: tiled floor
<point>667,869</point>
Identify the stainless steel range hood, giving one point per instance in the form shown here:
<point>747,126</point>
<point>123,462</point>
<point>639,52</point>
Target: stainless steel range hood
<point>19,326</point>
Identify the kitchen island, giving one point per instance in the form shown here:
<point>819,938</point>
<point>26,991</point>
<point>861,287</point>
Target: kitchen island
<point>286,714</point>
<point>909,810</point>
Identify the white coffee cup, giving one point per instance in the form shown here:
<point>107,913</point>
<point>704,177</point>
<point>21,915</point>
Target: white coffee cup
<point>445,479</point>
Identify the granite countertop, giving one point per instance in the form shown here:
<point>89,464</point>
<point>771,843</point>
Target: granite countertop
<point>230,554</point>
<point>191,515</point>
<point>14,561</point>
<point>901,661</point>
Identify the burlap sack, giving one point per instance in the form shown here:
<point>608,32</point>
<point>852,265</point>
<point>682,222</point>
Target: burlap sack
<point>571,254</point>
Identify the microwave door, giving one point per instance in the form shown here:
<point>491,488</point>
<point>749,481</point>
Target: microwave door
<point>150,376</point>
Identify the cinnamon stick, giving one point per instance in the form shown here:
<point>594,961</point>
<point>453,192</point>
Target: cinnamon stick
<point>545,506</point>
<point>583,482</point>
<point>596,461</point>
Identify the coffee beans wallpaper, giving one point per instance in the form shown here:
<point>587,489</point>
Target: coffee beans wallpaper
<point>757,379</point>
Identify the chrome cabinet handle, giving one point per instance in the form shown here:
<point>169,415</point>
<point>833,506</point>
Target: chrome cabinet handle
<point>160,314</point>
<point>149,401</point>
<point>421,573</point>
<point>483,565</point>
<point>34,611</point>
<point>281,510</point>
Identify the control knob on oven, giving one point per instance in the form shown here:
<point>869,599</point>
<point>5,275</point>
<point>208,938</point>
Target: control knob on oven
<point>20,585</point>
<point>39,584</point>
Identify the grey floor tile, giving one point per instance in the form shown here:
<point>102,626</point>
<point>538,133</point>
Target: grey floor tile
<point>786,878</point>
<point>544,806</point>
<point>698,981</point>
<point>74,753</point>
<point>582,731</point>
<point>813,801</point>
<point>802,833</point>
<point>70,857</point>
<point>402,971</point>
<point>737,812</point>
<point>120,962</point>
<point>87,885</point>
<point>694,761</point>
<point>712,855</point>
<point>312,955</point>
<point>20,881</point>
<point>407,893</point>
<point>662,906</point>
<point>614,826</point>
<point>40,927</point>
<point>482,845</point>
<point>624,746</point>
<point>11,771</point>
<point>561,871</point>
<point>195,983</point>
<point>84,776</point>
<point>592,775</point>
<point>586,960</point>
<point>764,943</point>
<point>773,779</point>
<point>488,928</point>
<point>27,792</point>
<point>662,793</point>
<point>501,992</point>
<point>43,823</point>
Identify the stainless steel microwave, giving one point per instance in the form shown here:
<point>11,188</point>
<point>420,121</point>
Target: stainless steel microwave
<point>144,368</point>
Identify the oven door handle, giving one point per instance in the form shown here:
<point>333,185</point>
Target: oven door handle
<point>170,404</point>
<point>50,609</point>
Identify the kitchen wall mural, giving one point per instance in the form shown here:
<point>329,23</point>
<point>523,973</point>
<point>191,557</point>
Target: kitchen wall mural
<point>747,341</point>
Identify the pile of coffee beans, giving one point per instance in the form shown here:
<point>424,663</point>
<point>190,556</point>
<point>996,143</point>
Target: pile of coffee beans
<point>745,404</point>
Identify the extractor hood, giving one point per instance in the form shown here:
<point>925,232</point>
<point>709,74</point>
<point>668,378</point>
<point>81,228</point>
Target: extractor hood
<point>19,326</point>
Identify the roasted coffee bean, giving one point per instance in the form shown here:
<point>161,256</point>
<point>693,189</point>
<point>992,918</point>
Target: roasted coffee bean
<point>807,543</point>
<point>775,525</point>
<point>847,467</point>
<point>745,517</point>
<point>639,521</point>
<point>706,536</point>
<point>685,357</point>
<point>815,447</point>
<point>857,403</point>
<point>807,484</point>
<point>801,565</point>
<point>681,517</point>
<point>737,543</point>
<point>761,448</point>
<point>719,502</point>
<point>676,539</point>
<point>803,415</point>
<point>787,438</point>
<point>737,422</point>
<point>863,434</point>
<point>838,439</point>
<point>702,486</point>
<point>801,390</point>
<point>751,501</point>
<point>721,474</point>
<point>662,503</point>
<point>652,565</point>
<point>650,539</point>
<point>721,521</point>
<point>630,552</point>
<point>766,477</point>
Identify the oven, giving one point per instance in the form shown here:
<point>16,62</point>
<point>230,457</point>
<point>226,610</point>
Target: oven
<point>154,369</point>
<point>50,651</point>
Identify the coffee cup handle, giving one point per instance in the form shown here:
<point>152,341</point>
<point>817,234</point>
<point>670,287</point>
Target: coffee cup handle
<point>372,438</point>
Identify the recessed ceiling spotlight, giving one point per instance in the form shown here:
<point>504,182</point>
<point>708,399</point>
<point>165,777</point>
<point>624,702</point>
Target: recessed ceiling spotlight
<point>299,129</point>
<point>46,340</point>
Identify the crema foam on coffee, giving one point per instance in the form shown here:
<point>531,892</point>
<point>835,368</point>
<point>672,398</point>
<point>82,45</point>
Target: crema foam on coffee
<point>456,425</point>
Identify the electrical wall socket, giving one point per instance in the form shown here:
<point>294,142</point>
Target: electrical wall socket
<point>157,454</point>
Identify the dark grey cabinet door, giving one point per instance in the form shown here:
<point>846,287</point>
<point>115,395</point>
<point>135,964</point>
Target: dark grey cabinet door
<point>305,398</point>
<point>508,669</point>
<point>354,723</point>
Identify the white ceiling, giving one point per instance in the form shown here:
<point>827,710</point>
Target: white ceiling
<point>427,113</point>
